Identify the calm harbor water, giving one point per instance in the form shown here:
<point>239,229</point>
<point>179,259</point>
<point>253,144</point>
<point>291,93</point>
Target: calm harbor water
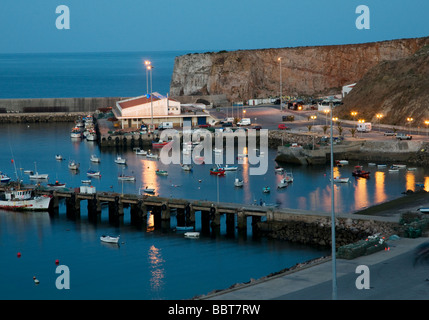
<point>155,264</point>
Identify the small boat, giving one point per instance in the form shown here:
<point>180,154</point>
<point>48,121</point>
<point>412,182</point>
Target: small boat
<point>57,185</point>
<point>91,136</point>
<point>186,167</point>
<point>411,169</point>
<point>94,158</point>
<point>372,164</point>
<point>120,160</point>
<point>148,190</point>
<point>109,239</point>
<point>192,234</point>
<point>4,178</point>
<point>73,165</point>
<point>228,168</point>
<point>37,175</point>
<point>140,152</point>
<point>359,172</point>
<point>161,172</point>
<point>58,157</point>
<point>76,133</point>
<point>126,178</point>
<point>92,173</point>
<point>86,181</point>
<point>152,156</point>
<point>381,165</point>
<point>159,144</point>
<point>393,169</point>
<point>341,180</point>
<point>28,171</point>
<point>424,210</point>
<point>217,171</point>
<point>400,166</point>
<point>282,184</point>
<point>341,163</point>
<point>289,177</point>
<point>238,182</point>
<point>266,190</point>
<point>279,170</point>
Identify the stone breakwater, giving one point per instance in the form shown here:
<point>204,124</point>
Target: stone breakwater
<point>41,117</point>
<point>317,230</point>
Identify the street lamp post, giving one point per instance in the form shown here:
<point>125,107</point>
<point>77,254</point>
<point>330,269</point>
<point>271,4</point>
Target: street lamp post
<point>354,114</point>
<point>379,116</point>
<point>149,67</point>
<point>313,117</point>
<point>147,64</point>
<point>427,126</point>
<point>409,123</point>
<point>280,60</point>
<point>334,262</point>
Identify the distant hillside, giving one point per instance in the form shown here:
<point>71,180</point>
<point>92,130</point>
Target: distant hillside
<point>397,89</point>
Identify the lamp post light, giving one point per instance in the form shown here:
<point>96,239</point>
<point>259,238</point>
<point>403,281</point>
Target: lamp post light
<point>147,64</point>
<point>361,121</point>
<point>427,126</point>
<point>313,117</point>
<point>409,123</point>
<point>334,260</point>
<point>149,68</point>
<point>279,59</point>
<point>379,116</point>
<point>354,114</point>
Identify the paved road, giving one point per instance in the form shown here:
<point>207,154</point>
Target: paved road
<point>392,276</point>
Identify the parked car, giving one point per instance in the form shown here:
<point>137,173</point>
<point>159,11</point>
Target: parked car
<point>227,124</point>
<point>390,133</point>
<point>206,125</point>
<point>403,136</point>
<point>282,126</point>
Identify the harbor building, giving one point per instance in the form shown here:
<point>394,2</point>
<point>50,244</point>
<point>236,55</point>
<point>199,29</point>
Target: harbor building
<point>157,109</point>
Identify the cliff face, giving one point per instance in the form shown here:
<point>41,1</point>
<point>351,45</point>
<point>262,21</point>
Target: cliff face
<point>397,89</point>
<point>247,74</point>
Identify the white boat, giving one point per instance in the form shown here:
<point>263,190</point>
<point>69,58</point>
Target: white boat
<point>91,136</point>
<point>152,156</point>
<point>392,169</point>
<point>94,158</point>
<point>411,169</point>
<point>86,181</point>
<point>343,162</point>
<point>341,180</point>
<point>56,185</point>
<point>37,175</point>
<point>279,170</point>
<point>76,133</point>
<point>140,152</point>
<point>238,182</point>
<point>120,160</point>
<point>24,200</point>
<point>109,239</point>
<point>186,167</point>
<point>400,166</point>
<point>282,184</point>
<point>92,173</point>
<point>58,157</point>
<point>289,177</point>
<point>73,165</point>
<point>4,178</point>
<point>381,165</point>
<point>229,168</point>
<point>424,210</point>
<point>192,234</point>
<point>126,178</point>
<point>28,171</point>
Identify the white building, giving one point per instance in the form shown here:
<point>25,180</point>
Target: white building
<point>133,112</point>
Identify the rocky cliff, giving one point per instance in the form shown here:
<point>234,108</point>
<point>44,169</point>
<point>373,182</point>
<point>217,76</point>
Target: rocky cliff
<point>246,74</point>
<point>396,89</point>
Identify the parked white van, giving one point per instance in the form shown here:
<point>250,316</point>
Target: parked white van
<point>244,122</point>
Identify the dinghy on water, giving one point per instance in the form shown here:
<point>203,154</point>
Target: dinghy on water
<point>109,239</point>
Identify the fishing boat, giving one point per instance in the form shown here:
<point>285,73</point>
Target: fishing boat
<point>92,173</point>
<point>58,157</point>
<point>109,239</point>
<point>424,210</point>
<point>57,185</point>
<point>124,177</point>
<point>73,165</point>
<point>217,171</point>
<point>91,136</point>
<point>359,172</point>
<point>23,199</point>
<point>140,152</point>
<point>238,182</point>
<point>120,160</point>
<point>76,133</point>
<point>192,234</point>
<point>161,172</point>
<point>4,178</point>
<point>159,143</point>
<point>341,180</point>
<point>37,175</point>
<point>94,158</point>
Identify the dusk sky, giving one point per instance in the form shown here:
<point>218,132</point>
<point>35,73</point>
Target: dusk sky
<point>29,26</point>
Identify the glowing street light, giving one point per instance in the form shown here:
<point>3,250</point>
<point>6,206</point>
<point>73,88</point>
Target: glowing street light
<point>149,68</point>
<point>409,123</point>
<point>313,117</point>
<point>354,114</point>
<point>147,64</point>
<point>427,126</point>
<point>379,116</point>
